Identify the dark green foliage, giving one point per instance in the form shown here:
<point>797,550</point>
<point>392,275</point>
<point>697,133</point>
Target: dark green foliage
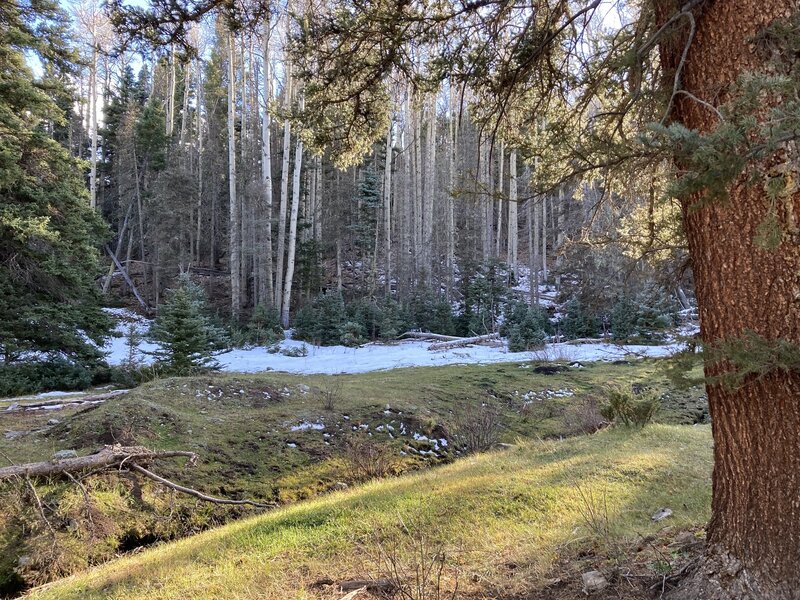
<point>49,302</point>
<point>369,202</point>
<point>185,333</point>
<point>31,377</point>
<point>351,333</point>
<point>381,319</point>
<point>643,318</point>
<point>484,295</point>
<point>428,312</point>
<point>623,318</point>
<point>264,327</point>
<point>578,321</point>
<point>752,356</point>
<point>526,327</point>
<point>629,408</point>
<point>321,321</point>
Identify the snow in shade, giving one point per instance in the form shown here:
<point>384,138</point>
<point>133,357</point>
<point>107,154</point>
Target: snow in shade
<point>330,360</point>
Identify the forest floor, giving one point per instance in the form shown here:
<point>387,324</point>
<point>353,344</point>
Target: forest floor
<point>285,438</point>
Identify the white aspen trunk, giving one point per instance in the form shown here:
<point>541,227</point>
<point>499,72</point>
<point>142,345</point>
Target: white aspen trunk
<point>387,211</point>
<point>500,204</point>
<point>93,100</point>
<point>171,87</point>
<point>318,203</point>
<point>429,197</point>
<point>266,168</point>
<point>559,235</point>
<point>339,264</point>
<point>544,239</point>
<point>485,201</point>
<point>450,214</point>
<point>287,133</point>
<point>418,191</point>
<point>185,106</point>
<point>287,286</point>
<point>234,243</point>
<point>512,213</point>
<point>199,125</point>
<point>407,213</point>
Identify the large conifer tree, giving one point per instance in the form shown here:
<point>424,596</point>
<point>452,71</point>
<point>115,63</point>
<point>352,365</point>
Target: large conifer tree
<point>49,301</point>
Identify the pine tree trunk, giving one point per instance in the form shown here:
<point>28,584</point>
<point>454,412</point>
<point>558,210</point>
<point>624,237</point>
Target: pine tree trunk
<point>754,534</point>
<point>234,242</point>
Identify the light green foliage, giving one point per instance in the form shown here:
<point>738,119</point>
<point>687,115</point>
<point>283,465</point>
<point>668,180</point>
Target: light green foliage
<point>629,407</point>
<point>186,334</point>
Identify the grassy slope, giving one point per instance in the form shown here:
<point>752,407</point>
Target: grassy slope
<point>507,519</point>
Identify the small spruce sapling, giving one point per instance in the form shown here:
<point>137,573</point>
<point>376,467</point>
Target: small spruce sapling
<point>184,332</point>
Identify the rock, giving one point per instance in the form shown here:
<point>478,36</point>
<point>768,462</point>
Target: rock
<point>64,454</point>
<point>593,581</point>
<point>502,446</point>
<point>303,388</point>
<point>53,422</point>
<point>661,514</point>
<point>23,561</point>
<point>339,485</point>
<point>12,435</point>
<point>12,407</point>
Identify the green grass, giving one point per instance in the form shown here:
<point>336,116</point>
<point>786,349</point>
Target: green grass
<point>524,509</point>
<point>240,427</point>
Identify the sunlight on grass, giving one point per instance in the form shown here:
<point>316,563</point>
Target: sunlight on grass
<point>526,505</point>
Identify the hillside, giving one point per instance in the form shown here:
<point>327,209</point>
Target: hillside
<point>525,519</point>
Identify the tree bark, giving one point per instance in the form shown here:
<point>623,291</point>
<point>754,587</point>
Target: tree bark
<point>512,213</point>
<point>234,243</point>
<point>287,289</point>
<point>754,534</point>
<point>266,171</point>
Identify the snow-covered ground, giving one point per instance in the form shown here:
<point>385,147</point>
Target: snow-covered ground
<point>378,357</point>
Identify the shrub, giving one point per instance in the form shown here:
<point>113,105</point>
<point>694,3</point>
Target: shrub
<point>584,416</point>
<point>578,322</point>
<point>351,333</point>
<point>629,408</point>
<point>321,321</point>
<point>477,429</point>
<point>367,459</point>
<point>526,327</point>
<point>31,377</point>
<point>429,312</point>
<point>264,327</point>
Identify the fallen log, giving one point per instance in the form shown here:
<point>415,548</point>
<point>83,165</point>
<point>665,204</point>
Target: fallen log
<point>119,457</point>
<point>70,400</point>
<point>109,456</point>
<point>461,342</point>
<point>424,335</point>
